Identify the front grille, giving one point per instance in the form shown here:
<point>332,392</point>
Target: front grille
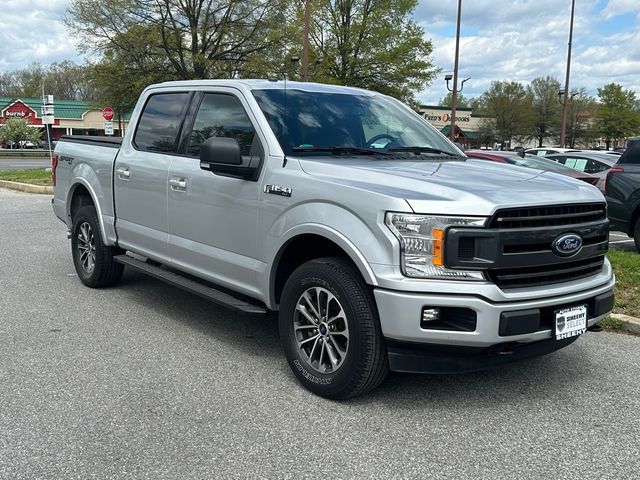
<point>545,274</point>
<point>548,216</point>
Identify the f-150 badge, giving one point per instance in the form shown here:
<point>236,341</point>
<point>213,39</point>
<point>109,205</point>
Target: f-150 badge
<point>278,190</point>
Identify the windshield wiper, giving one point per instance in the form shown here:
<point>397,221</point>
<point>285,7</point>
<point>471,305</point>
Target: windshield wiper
<point>341,150</point>
<point>419,150</point>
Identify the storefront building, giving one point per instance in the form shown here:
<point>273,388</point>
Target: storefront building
<point>72,117</point>
<point>466,128</point>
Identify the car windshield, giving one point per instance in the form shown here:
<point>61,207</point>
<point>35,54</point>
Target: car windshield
<point>532,161</point>
<point>332,123</point>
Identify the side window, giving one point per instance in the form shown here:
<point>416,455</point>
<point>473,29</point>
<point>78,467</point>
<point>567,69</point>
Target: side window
<point>160,122</point>
<point>221,115</point>
<point>579,164</point>
<point>596,167</point>
<point>562,160</point>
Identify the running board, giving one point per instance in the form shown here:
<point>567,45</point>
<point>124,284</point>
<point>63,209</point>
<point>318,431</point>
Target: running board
<point>210,293</point>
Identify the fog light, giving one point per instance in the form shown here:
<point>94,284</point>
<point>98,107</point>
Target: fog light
<point>430,314</point>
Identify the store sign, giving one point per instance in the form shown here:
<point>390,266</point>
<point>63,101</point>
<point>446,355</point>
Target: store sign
<point>446,117</point>
<point>19,110</point>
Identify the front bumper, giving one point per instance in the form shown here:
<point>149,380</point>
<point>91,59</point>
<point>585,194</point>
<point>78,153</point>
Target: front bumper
<point>420,358</point>
<point>401,312</point>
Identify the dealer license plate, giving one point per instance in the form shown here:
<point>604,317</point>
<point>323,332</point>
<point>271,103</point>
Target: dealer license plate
<point>570,322</point>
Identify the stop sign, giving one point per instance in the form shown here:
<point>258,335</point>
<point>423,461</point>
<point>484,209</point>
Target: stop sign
<point>107,113</point>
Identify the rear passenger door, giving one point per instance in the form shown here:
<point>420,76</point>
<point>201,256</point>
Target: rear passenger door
<point>213,218</point>
<point>142,172</point>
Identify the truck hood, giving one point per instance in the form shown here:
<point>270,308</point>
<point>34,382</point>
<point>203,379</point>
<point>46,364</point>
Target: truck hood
<point>469,187</point>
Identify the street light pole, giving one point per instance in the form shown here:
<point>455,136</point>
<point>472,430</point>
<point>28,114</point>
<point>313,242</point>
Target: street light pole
<point>454,92</point>
<point>567,98</point>
<point>305,41</point>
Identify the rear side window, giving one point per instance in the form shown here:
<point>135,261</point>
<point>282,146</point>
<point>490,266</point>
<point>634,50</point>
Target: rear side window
<point>632,154</point>
<point>221,115</point>
<point>160,122</point>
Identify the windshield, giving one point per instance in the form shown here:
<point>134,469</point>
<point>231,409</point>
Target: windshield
<point>349,122</point>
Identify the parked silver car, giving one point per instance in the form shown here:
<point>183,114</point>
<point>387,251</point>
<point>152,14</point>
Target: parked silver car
<point>594,163</point>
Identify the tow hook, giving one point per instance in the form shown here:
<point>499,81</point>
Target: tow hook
<point>595,328</point>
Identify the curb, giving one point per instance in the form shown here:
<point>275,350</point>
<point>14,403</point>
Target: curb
<point>631,324</point>
<point>26,187</point>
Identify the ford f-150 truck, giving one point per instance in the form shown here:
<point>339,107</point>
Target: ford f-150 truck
<point>380,245</point>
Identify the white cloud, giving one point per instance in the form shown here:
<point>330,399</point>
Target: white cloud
<point>619,7</point>
<point>521,40</point>
<point>32,31</point>
<point>501,40</point>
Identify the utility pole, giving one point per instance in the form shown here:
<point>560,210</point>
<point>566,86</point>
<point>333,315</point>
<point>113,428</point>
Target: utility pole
<point>567,95</point>
<point>454,92</point>
<point>305,41</point>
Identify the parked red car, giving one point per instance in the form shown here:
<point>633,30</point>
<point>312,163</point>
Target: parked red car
<point>531,161</point>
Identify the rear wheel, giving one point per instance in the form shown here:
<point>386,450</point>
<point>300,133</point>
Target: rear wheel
<point>330,330</point>
<point>92,258</point>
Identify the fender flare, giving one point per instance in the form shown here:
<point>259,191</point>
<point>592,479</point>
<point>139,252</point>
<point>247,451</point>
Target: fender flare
<point>94,198</point>
<point>331,234</point>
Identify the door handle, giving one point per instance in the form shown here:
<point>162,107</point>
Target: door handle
<point>178,183</point>
<point>123,173</point>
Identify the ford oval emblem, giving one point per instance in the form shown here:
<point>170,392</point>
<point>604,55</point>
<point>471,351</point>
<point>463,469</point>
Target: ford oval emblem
<point>567,245</point>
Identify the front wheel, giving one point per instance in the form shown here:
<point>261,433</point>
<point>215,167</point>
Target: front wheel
<point>92,258</point>
<point>330,330</point>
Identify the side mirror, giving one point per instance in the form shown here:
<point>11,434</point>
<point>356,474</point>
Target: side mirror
<point>223,150</point>
<point>222,156</point>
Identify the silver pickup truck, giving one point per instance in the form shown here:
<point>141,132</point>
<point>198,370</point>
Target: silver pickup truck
<point>381,246</point>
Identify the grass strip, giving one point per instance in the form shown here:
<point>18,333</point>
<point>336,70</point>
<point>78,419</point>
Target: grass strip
<point>33,176</point>
<point>626,266</point>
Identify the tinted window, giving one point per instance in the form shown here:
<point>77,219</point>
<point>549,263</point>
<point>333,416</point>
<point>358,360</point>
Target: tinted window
<point>632,154</point>
<point>221,115</point>
<point>160,122</point>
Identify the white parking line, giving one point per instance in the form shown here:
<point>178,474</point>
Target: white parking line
<point>623,241</point>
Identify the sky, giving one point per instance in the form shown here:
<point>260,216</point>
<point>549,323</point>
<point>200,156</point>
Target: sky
<point>515,40</point>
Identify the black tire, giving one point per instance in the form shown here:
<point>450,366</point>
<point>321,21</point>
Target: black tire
<point>97,270</point>
<point>363,364</point>
<point>636,234</point>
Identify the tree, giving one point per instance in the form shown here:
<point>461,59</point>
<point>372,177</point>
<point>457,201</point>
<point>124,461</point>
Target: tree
<point>17,130</point>
<point>581,108</point>
<point>511,107</point>
<point>486,133</point>
<point>68,81</point>
<point>372,44</point>
<point>191,39</point>
<point>617,114</point>
<point>64,80</point>
<point>461,101</point>
<point>27,82</point>
<point>545,107</point>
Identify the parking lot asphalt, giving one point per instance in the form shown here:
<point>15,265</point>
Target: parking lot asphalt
<point>10,163</point>
<point>621,241</point>
<point>147,381</point>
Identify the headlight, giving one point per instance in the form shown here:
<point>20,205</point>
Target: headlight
<point>422,244</point>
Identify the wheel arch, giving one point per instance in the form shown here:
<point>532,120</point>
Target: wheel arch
<point>303,247</point>
<point>81,194</point>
